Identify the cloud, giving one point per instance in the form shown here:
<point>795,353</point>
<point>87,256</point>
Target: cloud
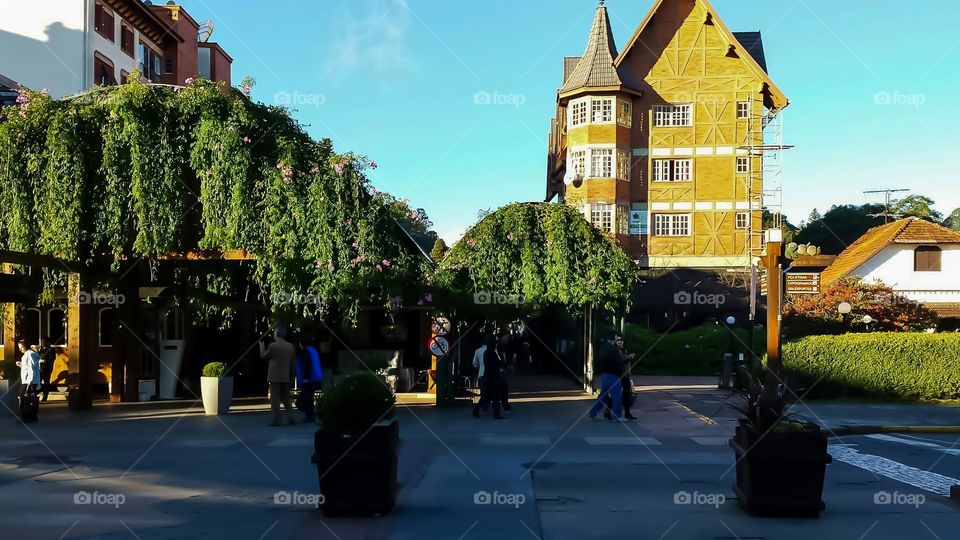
<point>373,36</point>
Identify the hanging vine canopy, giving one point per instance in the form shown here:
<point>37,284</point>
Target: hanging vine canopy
<point>137,170</point>
<point>548,253</point>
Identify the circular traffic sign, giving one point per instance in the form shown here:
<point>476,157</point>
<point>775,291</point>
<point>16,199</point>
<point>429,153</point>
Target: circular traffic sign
<point>441,326</point>
<point>439,346</point>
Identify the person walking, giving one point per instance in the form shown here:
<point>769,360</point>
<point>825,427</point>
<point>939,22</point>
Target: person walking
<point>481,383</point>
<point>503,390</point>
<point>309,380</point>
<point>492,383</point>
<point>281,358</point>
<point>29,365</point>
<point>610,366</point>
<point>48,357</point>
<point>626,384</point>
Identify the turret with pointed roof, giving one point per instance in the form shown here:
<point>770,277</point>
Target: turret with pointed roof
<point>596,69</point>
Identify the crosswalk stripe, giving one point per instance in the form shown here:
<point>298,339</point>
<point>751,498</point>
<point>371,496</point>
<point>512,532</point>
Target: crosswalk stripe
<point>515,441</point>
<point>711,441</point>
<point>622,441</point>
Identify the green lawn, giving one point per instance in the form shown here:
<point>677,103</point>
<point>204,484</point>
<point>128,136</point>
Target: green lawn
<point>696,351</point>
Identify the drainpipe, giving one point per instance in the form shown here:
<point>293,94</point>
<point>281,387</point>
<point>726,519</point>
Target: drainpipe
<point>85,53</point>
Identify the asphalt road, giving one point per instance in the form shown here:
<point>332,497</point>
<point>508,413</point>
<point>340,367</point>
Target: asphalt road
<point>545,472</point>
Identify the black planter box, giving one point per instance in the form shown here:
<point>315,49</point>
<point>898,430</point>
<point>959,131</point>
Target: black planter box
<point>780,474</point>
<point>357,471</point>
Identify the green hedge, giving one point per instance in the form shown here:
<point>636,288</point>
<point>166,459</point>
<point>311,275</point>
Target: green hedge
<point>887,365</point>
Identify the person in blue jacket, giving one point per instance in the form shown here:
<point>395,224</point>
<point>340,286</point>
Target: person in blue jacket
<point>309,378</point>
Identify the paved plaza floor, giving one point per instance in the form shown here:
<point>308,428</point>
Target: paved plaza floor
<point>547,472</point>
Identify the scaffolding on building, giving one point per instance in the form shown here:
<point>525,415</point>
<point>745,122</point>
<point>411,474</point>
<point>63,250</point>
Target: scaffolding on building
<point>764,148</point>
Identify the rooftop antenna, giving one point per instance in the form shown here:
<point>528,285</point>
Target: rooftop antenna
<point>206,31</point>
<point>887,199</point>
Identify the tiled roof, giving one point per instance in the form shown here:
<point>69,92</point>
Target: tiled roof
<point>945,310</point>
<point>904,231</point>
<point>595,68</point>
<point>753,43</point>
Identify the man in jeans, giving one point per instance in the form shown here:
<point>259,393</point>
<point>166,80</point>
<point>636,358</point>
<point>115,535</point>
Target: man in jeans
<point>281,357</point>
<point>610,367</point>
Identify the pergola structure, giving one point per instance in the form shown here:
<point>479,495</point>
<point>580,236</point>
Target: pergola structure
<point>133,281</point>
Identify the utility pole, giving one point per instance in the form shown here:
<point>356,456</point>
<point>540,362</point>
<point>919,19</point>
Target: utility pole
<point>888,193</point>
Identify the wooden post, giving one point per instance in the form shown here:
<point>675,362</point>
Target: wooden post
<point>774,302</point>
<point>81,342</point>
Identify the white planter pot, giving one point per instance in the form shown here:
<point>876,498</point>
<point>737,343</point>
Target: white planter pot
<point>217,392</point>
<point>10,391</point>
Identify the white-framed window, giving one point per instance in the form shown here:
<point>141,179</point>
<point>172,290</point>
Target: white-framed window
<point>671,224</point>
<point>743,110</point>
<point>743,220</point>
<point>601,110</point>
<point>743,165</point>
<point>578,112</point>
<point>672,170</point>
<point>578,163</point>
<point>625,113</point>
<point>623,165</point>
<point>673,115</point>
<point>601,163</point>
<point>601,216</point>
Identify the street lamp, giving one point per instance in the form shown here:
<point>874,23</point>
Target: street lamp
<point>867,320</point>
<point>844,308</point>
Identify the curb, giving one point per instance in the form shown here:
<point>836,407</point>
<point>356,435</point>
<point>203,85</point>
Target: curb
<point>872,430</point>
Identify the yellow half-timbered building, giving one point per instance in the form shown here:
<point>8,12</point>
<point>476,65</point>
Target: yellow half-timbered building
<point>661,144</point>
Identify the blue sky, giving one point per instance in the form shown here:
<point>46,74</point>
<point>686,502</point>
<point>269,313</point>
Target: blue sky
<point>873,86</point>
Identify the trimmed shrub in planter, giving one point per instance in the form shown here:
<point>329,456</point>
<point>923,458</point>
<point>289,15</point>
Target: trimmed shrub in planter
<point>886,365</point>
<point>216,389</point>
<point>781,463</point>
<point>357,446</point>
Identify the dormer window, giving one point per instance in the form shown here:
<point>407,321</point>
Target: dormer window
<point>927,259</point>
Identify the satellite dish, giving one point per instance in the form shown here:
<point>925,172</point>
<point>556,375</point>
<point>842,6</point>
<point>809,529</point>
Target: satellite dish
<point>206,30</point>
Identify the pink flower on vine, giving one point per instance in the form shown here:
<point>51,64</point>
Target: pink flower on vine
<point>315,169</point>
<point>419,302</point>
<point>405,200</point>
<point>386,262</point>
<point>188,81</point>
<point>373,165</point>
<point>428,297</point>
<point>379,268</point>
<point>415,216</point>
<point>374,192</point>
<point>349,222</point>
<point>471,242</point>
<point>340,166</point>
<point>247,140</point>
<point>356,245</point>
<point>246,90</point>
<point>45,92</point>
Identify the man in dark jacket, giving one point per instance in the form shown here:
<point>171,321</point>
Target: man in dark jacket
<point>626,384</point>
<point>609,366</point>
<point>492,384</point>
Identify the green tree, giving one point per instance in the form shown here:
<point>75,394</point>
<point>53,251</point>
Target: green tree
<point>814,216</point>
<point>841,226</point>
<point>953,220</point>
<point>537,254</point>
<point>439,249</point>
<point>915,206</point>
<point>789,229</point>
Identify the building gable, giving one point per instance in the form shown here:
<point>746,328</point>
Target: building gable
<point>684,39</point>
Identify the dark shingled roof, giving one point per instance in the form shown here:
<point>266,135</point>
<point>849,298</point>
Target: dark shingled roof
<point>595,68</point>
<point>8,91</point>
<point>753,43</point>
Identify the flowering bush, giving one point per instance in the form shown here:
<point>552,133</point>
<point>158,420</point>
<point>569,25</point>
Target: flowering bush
<point>138,171</point>
<point>884,308</point>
